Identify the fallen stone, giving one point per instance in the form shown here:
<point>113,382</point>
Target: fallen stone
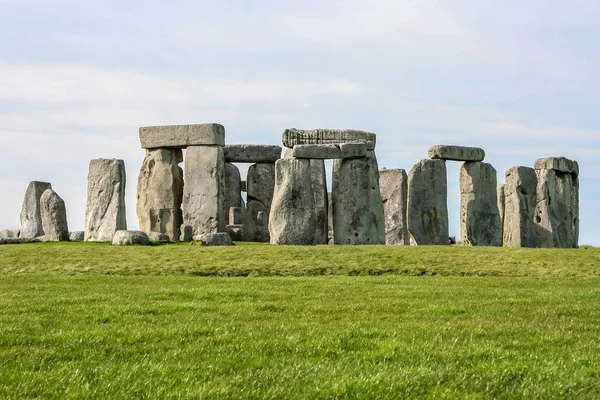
<point>160,192</point>
<point>105,211</point>
<point>293,137</point>
<point>318,179</point>
<point>187,233</point>
<point>251,153</point>
<point>31,220</point>
<point>159,237</point>
<point>292,218</point>
<point>428,203</point>
<point>19,240</point>
<point>236,232</point>
<point>555,218</point>
<point>358,214</point>
<point>130,238</point>
<point>54,217</point>
<point>519,207</point>
<point>77,236</point>
<point>235,216</point>
<point>480,223</point>
<point>560,164</point>
<point>182,136</point>
<point>233,187</point>
<point>501,203</point>
<point>10,234</point>
<point>456,153</point>
<point>204,190</point>
<point>215,239</point>
<point>393,184</point>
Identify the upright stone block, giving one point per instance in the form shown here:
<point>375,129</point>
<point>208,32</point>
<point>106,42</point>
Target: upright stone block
<point>182,136</point>
<point>501,203</point>
<point>559,164</point>
<point>575,208</point>
<point>519,209</point>
<point>292,218</point>
<point>54,217</point>
<point>31,220</point>
<point>393,184</point>
<point>260,183</point>
<point>428,203</point>
<point>105,211</point>
<point>480,223</point>
<point>358,215</point>
<point>204,190</point>
<point>160,193</point>
<point>318,178</point>
<point>555,218</point>
<point>293,137</point>
<point>233,187</point>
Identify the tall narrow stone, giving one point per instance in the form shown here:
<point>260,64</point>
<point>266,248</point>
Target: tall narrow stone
<point>204,190</point>
<point>501,203</point>
<point>519,209</point>
<point>358,216</point>
<point>260,183</point>
<point>31,220</point>
<point>428,203</point>
<point>318,178</point>
<point>233,187</point>
<point>575,208</point>
<point>554,214</point>
<point>292,218</point>
<point>54,217</point>
<point>105,211</point>
<point>480,223</point>
<point>330,238</point>
<point>160,192</point>
<point>393,184</point>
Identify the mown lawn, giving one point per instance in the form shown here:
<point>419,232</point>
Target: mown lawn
<point>95,321</point>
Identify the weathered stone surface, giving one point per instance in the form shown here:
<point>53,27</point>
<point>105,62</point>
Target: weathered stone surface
<point>260,182</point>
<point>519,207</point>
<point>215,239</point>
<point>19,240</point>
<point>480,223</point>
<point>330,151</point>
<point>393,184</point>
<point>54,217</point>
<point>287,152</point>
<point>250,218</point>
<point>244,186</point>
<point>293,137</point>
<point>358,215</point>
<point>428,203</point>
<point>501,203</point>
<point>292,218</point>
<point>575,209</point>
<point>77,236</point>
<point>182,136</point>
<point>31,220</point>
<point>187,233</point>
<point>233,187</point>
<point>555,217</point>
<point>318,179</point>
<point>204,190</point>
<point>456,153</point>
<point>261,234</point>
<point>330,238</point>
<point>160,192</point>
<point>105,211</point>
<point>236,232</point>
<point>251,153</point>
<point>235,216</point>
<point>10,234</point>
<point>354,150</point>
<point>130,238</point>
<point>159,237</point>
<point>560,164</point>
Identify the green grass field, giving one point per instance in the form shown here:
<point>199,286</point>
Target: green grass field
<point>257,321</point>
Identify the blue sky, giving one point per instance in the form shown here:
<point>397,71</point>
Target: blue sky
<point>77,79</point>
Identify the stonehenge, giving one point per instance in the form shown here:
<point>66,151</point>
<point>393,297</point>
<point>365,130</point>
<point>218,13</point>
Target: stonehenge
<point>191,188</point>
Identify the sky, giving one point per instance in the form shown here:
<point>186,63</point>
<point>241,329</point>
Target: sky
<point>78,78</point>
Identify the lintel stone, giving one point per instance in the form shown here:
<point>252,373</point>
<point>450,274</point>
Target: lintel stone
<point>251,153</point>
<point>182,136</point>
<point>560,164</point>
<point>293,137</point>
<point>456,153</point>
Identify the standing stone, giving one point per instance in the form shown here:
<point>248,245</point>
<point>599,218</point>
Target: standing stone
<point>204,190</point>
<point>393,184</point>
<point>235,216</point>
<point>160,193</point>
<point>233,187</point>
<point>105,211</point>
<point>501,203</point>
<point>330,238</point>
<point>54,217</point>
<point>554,214</point>
<point>358,216</point>
<point>519,207</point>
<point>260,184</point>
<point>480,223</point>
<point>428,203</point>
<point>292,218</point>
<point>31,220</point>
<point>575,208</point>
<point>318,179</point>
<point>77,236</point>
<point>187,233</point>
